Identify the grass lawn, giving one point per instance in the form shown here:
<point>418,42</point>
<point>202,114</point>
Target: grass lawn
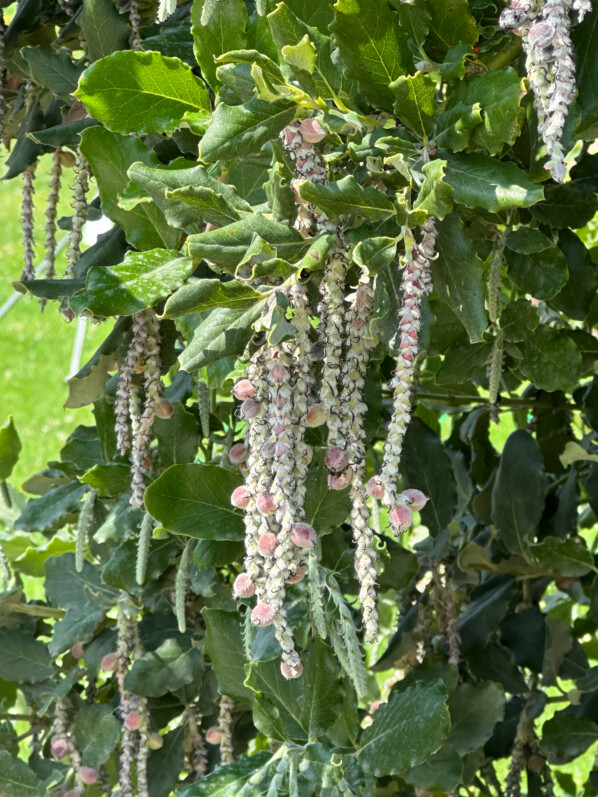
<point>35,347</point>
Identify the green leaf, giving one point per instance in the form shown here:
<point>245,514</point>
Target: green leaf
<point>224,646</point>
<point>457,275</point>
<point>566,736</point>
<point>288,31</point>
<point>518,320</point>
<point>415,102</point>
<point>518,493</point>
<point>226,781</point>
<point>109,480</point>
<point>323,690</point>
<point>415,19</point>
<point>455,126</point>
<point>452,69</point>
<point>479,181</point>
<point>142,92</point>
<point>110,155</point>
<point>97,732</point>
<point>55,71</point>
<point>460,362</point>
<point>375,253</point>
<point>52,509</point>
<point>176,663</point>
<point>177,436</point>
<point>23,659</point>
<point>441,773</point>
<point>427,466</point>
<point>348,196</point>
<point>475,710</point>
<point>576,297</point>
<point>202,295</point>
<point>585,42</point>
<point>105,30</point>
<point>10,447</point>
<point>277,707</point>
<point>435,195</point>
<point>214,553</point>
<point>198,202</point>
<point>222,334</point>
<point>499,93</point>
<point>141,281</point>
<point>325,509</point>
<point>451,22</point>
<point>406,730</point>
<point>66,586</point>
<point>17,779</point>
<point>224,29</point>
<point>551,360</point>
<point>527,240</point>
<point>372,47</point>
<point>194,500</point>
<point>541,274</point>
<point>240,130</point>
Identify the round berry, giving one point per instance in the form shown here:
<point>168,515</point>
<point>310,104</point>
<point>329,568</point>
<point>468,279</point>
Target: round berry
<point>262,615</point>
<point>342,481</point>
<point>243,389</point>
<point>312,131</point>
<point>336,459</point>
<point>164,409</point>
<point>214,735</point>
<point>267,544</point>
<point>416,499</point>
<point>59,747</point>
<point>375,706</point>
<point>77,650</point>
<point>88,775</point>
<point>375,488</point>
<point>303,535</point>
<point>243,586</point>
<point>315,416</point>
<point>238,454</point>
<point>401,518</point>
<point>265,503</point>
<point>240,497</point>
<point>250,408</point>
<point>297,576</point>
<point>155,741</point>
<point>289,671</point>
<point>109,662</point>
<point>133,720</point>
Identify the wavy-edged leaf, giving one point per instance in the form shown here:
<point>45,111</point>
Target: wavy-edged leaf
<point>348,196</point>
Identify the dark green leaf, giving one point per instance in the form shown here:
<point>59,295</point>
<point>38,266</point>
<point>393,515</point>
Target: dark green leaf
<point>563,557</point>
<point>226,781</point>
<point>163,765</point>
<point>10,447</point>
<point>585,40</point>
<point>475,710</point>
<point>223,333</point>
<point>348,196</point>
<point>323,691</point>
<point>174,664</point>
<point>415,102</point>
<point>406,730</point>
<point>325,509</point>
<point>565,736</point>
<point>440,774</point>
<point>223,29</point>
<point>224,646</point>
<point>97,732</point>
<point>541,274</point>
<point>277,708</point>
<point>56,71</point>
<point>518,320</point>
<point>178,437</point>
<point>194,500</point>
<point>451,22</point>
<point>518,494</point>
<point>52,509</point>
<point>23,659</point>
<point>551,360</point>
<point>17,779</point>
<point>103,28</point>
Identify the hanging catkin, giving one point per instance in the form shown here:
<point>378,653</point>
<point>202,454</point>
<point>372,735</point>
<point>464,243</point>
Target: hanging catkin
<point>135,23</point>
<point>51,212</point>
<point>79,203</point>
<point>27,192</point>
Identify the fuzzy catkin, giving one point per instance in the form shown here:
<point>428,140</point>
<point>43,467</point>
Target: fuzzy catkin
<point>127,634</point>
<point>225,726</point>
<point>83,526</point>
<point>180,585</point>
<point>139,334</point>
<point>495,367</point>
<point>447,616</point>
<point>28,190</point>
<point>203,403</point>
<point>80,189</point>
<point>415,284</point>
<point>135,23</point>
<point>51,210</point>
<point>143,547</point>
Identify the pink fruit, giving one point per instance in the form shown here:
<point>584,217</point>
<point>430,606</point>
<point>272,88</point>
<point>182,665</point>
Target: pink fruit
<point>416,499</point>
<point>290,672</point>
<point>262,614</point>
<point>243,389</point>
<point>265,503</point>
<point>88,775</point>
<point>250,408</point>
<point>214,735</point>
<point>342,481</point>
<point>59,747</point>
<point>267,544</point>
<point>315,416</point>
<point>240,497</point>
<point>109,662</point>
<point>238,454</point>
<point>243,586</point>
<point>336,459</point>
<point>77,651</point>
<point>375,706</point>
<point>375,488</point>
<point>164,409</point>
<point>297,576</point>
<point>133,720</point>
<point>303,535</point>
<point>401,518</point>
<point>312,131</point>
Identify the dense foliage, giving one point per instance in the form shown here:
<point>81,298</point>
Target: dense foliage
<point>343,278</point>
